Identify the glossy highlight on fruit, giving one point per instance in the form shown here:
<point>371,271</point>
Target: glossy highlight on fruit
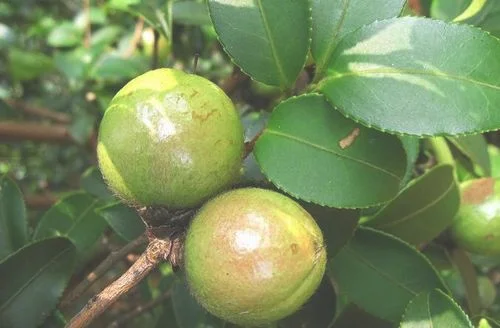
<point>170,138</point>
<point>476,227</point>
<point>253,256</point>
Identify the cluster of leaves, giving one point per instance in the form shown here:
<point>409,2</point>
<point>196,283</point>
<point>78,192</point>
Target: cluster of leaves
<point>357,144</point>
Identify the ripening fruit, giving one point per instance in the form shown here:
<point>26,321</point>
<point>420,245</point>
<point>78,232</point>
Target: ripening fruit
<point>253,256</point>
<point>476,227</point>
<point>170,138</point>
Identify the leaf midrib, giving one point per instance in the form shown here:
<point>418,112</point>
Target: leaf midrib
<point>407,71</point>
<point>23,287</point>
<point>331,151</point>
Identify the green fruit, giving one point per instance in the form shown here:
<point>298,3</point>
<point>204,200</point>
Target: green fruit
<point>476,227</point>
<point>253,256</point>
<point>170,138</point>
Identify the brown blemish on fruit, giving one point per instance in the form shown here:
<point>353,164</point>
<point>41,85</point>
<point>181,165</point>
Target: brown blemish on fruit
<point>203,117</point>
<point>478,191</point>
<point>295,248</point>
<point>347,141</point>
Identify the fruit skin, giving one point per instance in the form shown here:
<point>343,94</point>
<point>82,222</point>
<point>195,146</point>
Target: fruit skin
<point>170,138</point>
<point>253,256</point>
<point>476,226</point>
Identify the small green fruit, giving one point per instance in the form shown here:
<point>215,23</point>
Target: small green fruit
<point>253,256</point>
<point>170,138</point>
<point>476,227</point>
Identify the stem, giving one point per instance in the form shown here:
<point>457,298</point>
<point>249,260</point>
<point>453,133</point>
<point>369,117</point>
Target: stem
<point>442,152</point>
<point>139,26</point>
<point>156,42</point>
<point>14,131</point>
<point>101,269</point>
<point>469,277</point>
<point>88,32</point>
<point>157,251</point>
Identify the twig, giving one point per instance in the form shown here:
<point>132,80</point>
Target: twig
<point>249,145</point>
<point>157,251</point>
<point>101,269</point>
<point>233,81</point>
<point>39,111</point>
<point>40,201</point>
<point>139,310</point>
<point>156,49</point>
<point>139,26</point>
<point>88,32</point>
<point>14,131</point>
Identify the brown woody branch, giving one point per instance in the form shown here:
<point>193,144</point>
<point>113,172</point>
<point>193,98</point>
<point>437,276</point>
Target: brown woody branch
<point>139,26</point>
<point>101,269</point>
<point>158,250</point>
<point>38,111</point>
<point>40,201</point>
<point>13,131</point>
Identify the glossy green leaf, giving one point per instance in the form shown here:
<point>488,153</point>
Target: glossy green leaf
<point>96,16</point>
<point>33,280</point>
<point>24,65</point>
<point>75,64</point>
<point>93,183</point>
<point>268,39</point>
<point>314,153</point>
<point>65,35</point>
<point>434,309</point>
<point>353,317</point>
<point>423,209</point>
<point>411,146</point>
<point>73,216</point>
<point>473,9</point>
<point>488,18</point>
<point>123,220</point>
<point>375,264</point>
<point>447,10</point>
<point>389,76</point>
<point>190,13</point>
<point>338,226</point>
<point>476,149</point>
<point>105,36</point>
<point>188,312</point>
<point>333,19</point>
<point>112,67</point>
<point>13,221</point>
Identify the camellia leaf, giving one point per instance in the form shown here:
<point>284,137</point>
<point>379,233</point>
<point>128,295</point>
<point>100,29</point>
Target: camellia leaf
<point>333,19</point>
<point>33,279</point>
<point>73,216</point>
<point>447,10</point>
<point>389,76</point>
<point>488,18</point>
<point>123,220</point>
<point>352,316</point>
<point>13,223</point>
<point>411,146</point>
<point>93,183</point>
<point>268,39</point>
<point>423,209</point>
<point>434,309</point>
<point>66,34</point>
<point>314,153</point>
<point>476,149</point>
<point>373,264</point>
<point>190,13</point>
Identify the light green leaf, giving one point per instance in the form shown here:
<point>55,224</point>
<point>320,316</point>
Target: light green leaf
<point>447,10</point>
<point>268,39</point>
<point>476,149</point>
<point>190,13</point>
<point>423,209</point>
<point>73,216</point>
<point>389,76</point>
<point>28,65</point>
<point>314,153</point>
<point>66,34</point>
<point>412,149</point>
<point>112,67</point>
<point>93,183</point>
<point>13,222</point>
<point>375,264</point>
<point>434,309</point>
<point>123,220</point>
<point>333,19</point>
<point>33,280</point>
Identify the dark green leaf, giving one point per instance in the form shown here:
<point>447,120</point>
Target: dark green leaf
<point>97,16</point>
<point>476,149</point>
<point>354,317</point>
<point>24,65</point>
<point>115,68</point>
<point>7,112</point>
<point>423,209</point>
<point>75,64</point>
<point>123,220</point>
<point>447,10</point>
<point>333,19</point>
<point>33,279</point>
<point>105,36</point>
<point>411,146</point>
<point>93,183</point>
<point>82,127</point>
<point>56,320</point>
<point>73,216</point>
<point>494,154</point>
<point>434,309</point>
<point>375,264</point>
<point>389,76</point>
<point>167,318</point>
<point>314,153</point>
<point>188,312</point>
<point>190,13</point>
<point>488,18</point>
<point>268,39</point>
<point>65,35</point>
<point>154,12</point>
<point>13,222</point>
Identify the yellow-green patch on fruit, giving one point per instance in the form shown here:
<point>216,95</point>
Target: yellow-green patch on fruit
<point>170,138</point>
<point>476,226</point>
<point>253,256</point>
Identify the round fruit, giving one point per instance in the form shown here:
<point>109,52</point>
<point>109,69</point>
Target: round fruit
<point>253,256</point>
<point>476,226</point>
<point>170,138</point>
